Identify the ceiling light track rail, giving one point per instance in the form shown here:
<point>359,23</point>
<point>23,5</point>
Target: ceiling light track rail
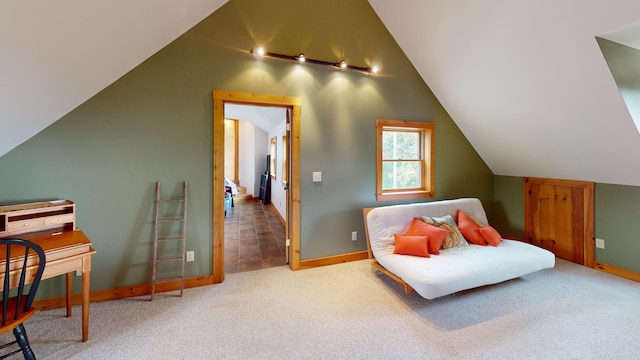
<point>259,52</point>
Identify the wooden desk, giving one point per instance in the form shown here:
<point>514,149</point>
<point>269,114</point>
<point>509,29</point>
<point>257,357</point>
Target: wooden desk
<point>66,252</point>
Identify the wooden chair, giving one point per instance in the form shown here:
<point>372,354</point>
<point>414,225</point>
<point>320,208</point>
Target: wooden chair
<point>23,268</point>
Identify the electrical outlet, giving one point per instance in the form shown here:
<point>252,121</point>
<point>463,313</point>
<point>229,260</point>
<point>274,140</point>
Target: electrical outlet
<point>600,243</point>
<point>190,256</point>
<point>354,235</point>
<point>78,273</point>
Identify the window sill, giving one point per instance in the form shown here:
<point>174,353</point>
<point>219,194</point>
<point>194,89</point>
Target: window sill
<point>404,195</point>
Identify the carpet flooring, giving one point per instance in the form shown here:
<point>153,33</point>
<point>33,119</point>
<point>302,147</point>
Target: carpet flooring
<point>348,311</point>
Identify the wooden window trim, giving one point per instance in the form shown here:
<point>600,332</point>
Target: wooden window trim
<point>428,149</point>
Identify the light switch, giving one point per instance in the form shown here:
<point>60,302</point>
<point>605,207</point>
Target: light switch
<point>317,176</point>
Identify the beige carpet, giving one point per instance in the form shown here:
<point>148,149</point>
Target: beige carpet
<point>348,311</point>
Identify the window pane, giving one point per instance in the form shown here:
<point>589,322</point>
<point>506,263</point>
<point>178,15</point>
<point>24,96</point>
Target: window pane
<point>404,159</point>
<point>230,149</point>
<point>400,145</point>
<point>401,175</point>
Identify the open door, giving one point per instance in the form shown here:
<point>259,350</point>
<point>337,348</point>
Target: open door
<point>292,104</point>
<point>286,175</point>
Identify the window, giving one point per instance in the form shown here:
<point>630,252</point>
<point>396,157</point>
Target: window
<point>231,149</point>
<point>273,151</point>
<point>404,166</point>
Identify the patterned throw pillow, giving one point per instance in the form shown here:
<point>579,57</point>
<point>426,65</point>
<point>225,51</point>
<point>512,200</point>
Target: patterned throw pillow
<point>455,238</point>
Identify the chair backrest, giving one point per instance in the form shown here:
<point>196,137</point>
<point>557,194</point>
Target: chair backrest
<point>20,258</point>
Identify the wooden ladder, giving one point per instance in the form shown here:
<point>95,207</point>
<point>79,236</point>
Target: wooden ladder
<point>158,239</point>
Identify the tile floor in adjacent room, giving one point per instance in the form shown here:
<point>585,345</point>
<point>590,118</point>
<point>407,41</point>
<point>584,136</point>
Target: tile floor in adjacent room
<point>254,238</point>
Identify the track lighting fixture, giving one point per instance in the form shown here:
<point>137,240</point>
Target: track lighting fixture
<point>260,53</point>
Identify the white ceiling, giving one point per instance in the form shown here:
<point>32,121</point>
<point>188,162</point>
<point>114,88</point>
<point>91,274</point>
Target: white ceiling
<point>263,117</point>
<point>524,80</point>
<point>628,35</point>
<point>54,55</point>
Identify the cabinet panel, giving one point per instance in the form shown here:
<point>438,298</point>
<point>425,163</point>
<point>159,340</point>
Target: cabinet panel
<point>564,243</point>
<point>547,218</point>
<point>559,218</point>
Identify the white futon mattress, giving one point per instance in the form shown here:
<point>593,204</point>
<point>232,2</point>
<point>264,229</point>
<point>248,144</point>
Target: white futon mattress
<point>464,268</point>
<point>454,269</point>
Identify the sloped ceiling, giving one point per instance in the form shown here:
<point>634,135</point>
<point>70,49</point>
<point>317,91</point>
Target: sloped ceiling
<point>524,80</point>
<point>264,117</point>
<point>628,35</point>
<point>54,55</point>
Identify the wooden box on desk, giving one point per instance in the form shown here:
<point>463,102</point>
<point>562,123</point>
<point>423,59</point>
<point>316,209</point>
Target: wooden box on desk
<point>37,218</point>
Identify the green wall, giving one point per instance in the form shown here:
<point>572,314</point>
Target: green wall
<point>615,208</point>
<point>155,124</point>
<point>507,210</point>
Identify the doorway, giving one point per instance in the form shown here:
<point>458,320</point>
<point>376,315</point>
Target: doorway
<point>255,179</point>
<point>220,98</point>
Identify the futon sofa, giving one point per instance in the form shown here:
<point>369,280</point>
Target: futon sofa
<point>458,267</point>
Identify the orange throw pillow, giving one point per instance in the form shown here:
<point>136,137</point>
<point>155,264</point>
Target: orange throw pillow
<point>435,234</point>
<point>411,245</point>
<point>490,235</point>
<point>469,229</point>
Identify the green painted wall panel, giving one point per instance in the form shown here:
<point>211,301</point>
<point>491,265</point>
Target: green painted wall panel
<point>617,207</point>
<point>507,210</point>
<point>155,124</point>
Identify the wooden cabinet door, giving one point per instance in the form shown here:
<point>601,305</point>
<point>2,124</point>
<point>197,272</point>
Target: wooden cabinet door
<point>559,218</point>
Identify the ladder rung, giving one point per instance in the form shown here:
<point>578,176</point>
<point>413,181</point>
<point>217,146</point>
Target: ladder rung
<point>170,219</point>
<point>169,279</point>
<point>170,200</point>
<point>169,259</point>
<point>171,239</point>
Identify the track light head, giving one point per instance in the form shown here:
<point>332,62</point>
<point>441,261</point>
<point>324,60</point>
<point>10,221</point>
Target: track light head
<point>259,51</point>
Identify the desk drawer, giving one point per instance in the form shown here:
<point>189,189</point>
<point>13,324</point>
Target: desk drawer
<point>59,219</point>
<point>25,224</point>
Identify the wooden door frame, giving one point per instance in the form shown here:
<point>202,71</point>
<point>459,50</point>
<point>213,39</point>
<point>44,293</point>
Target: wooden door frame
<point>220,97</point>
<point>588,212</point>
